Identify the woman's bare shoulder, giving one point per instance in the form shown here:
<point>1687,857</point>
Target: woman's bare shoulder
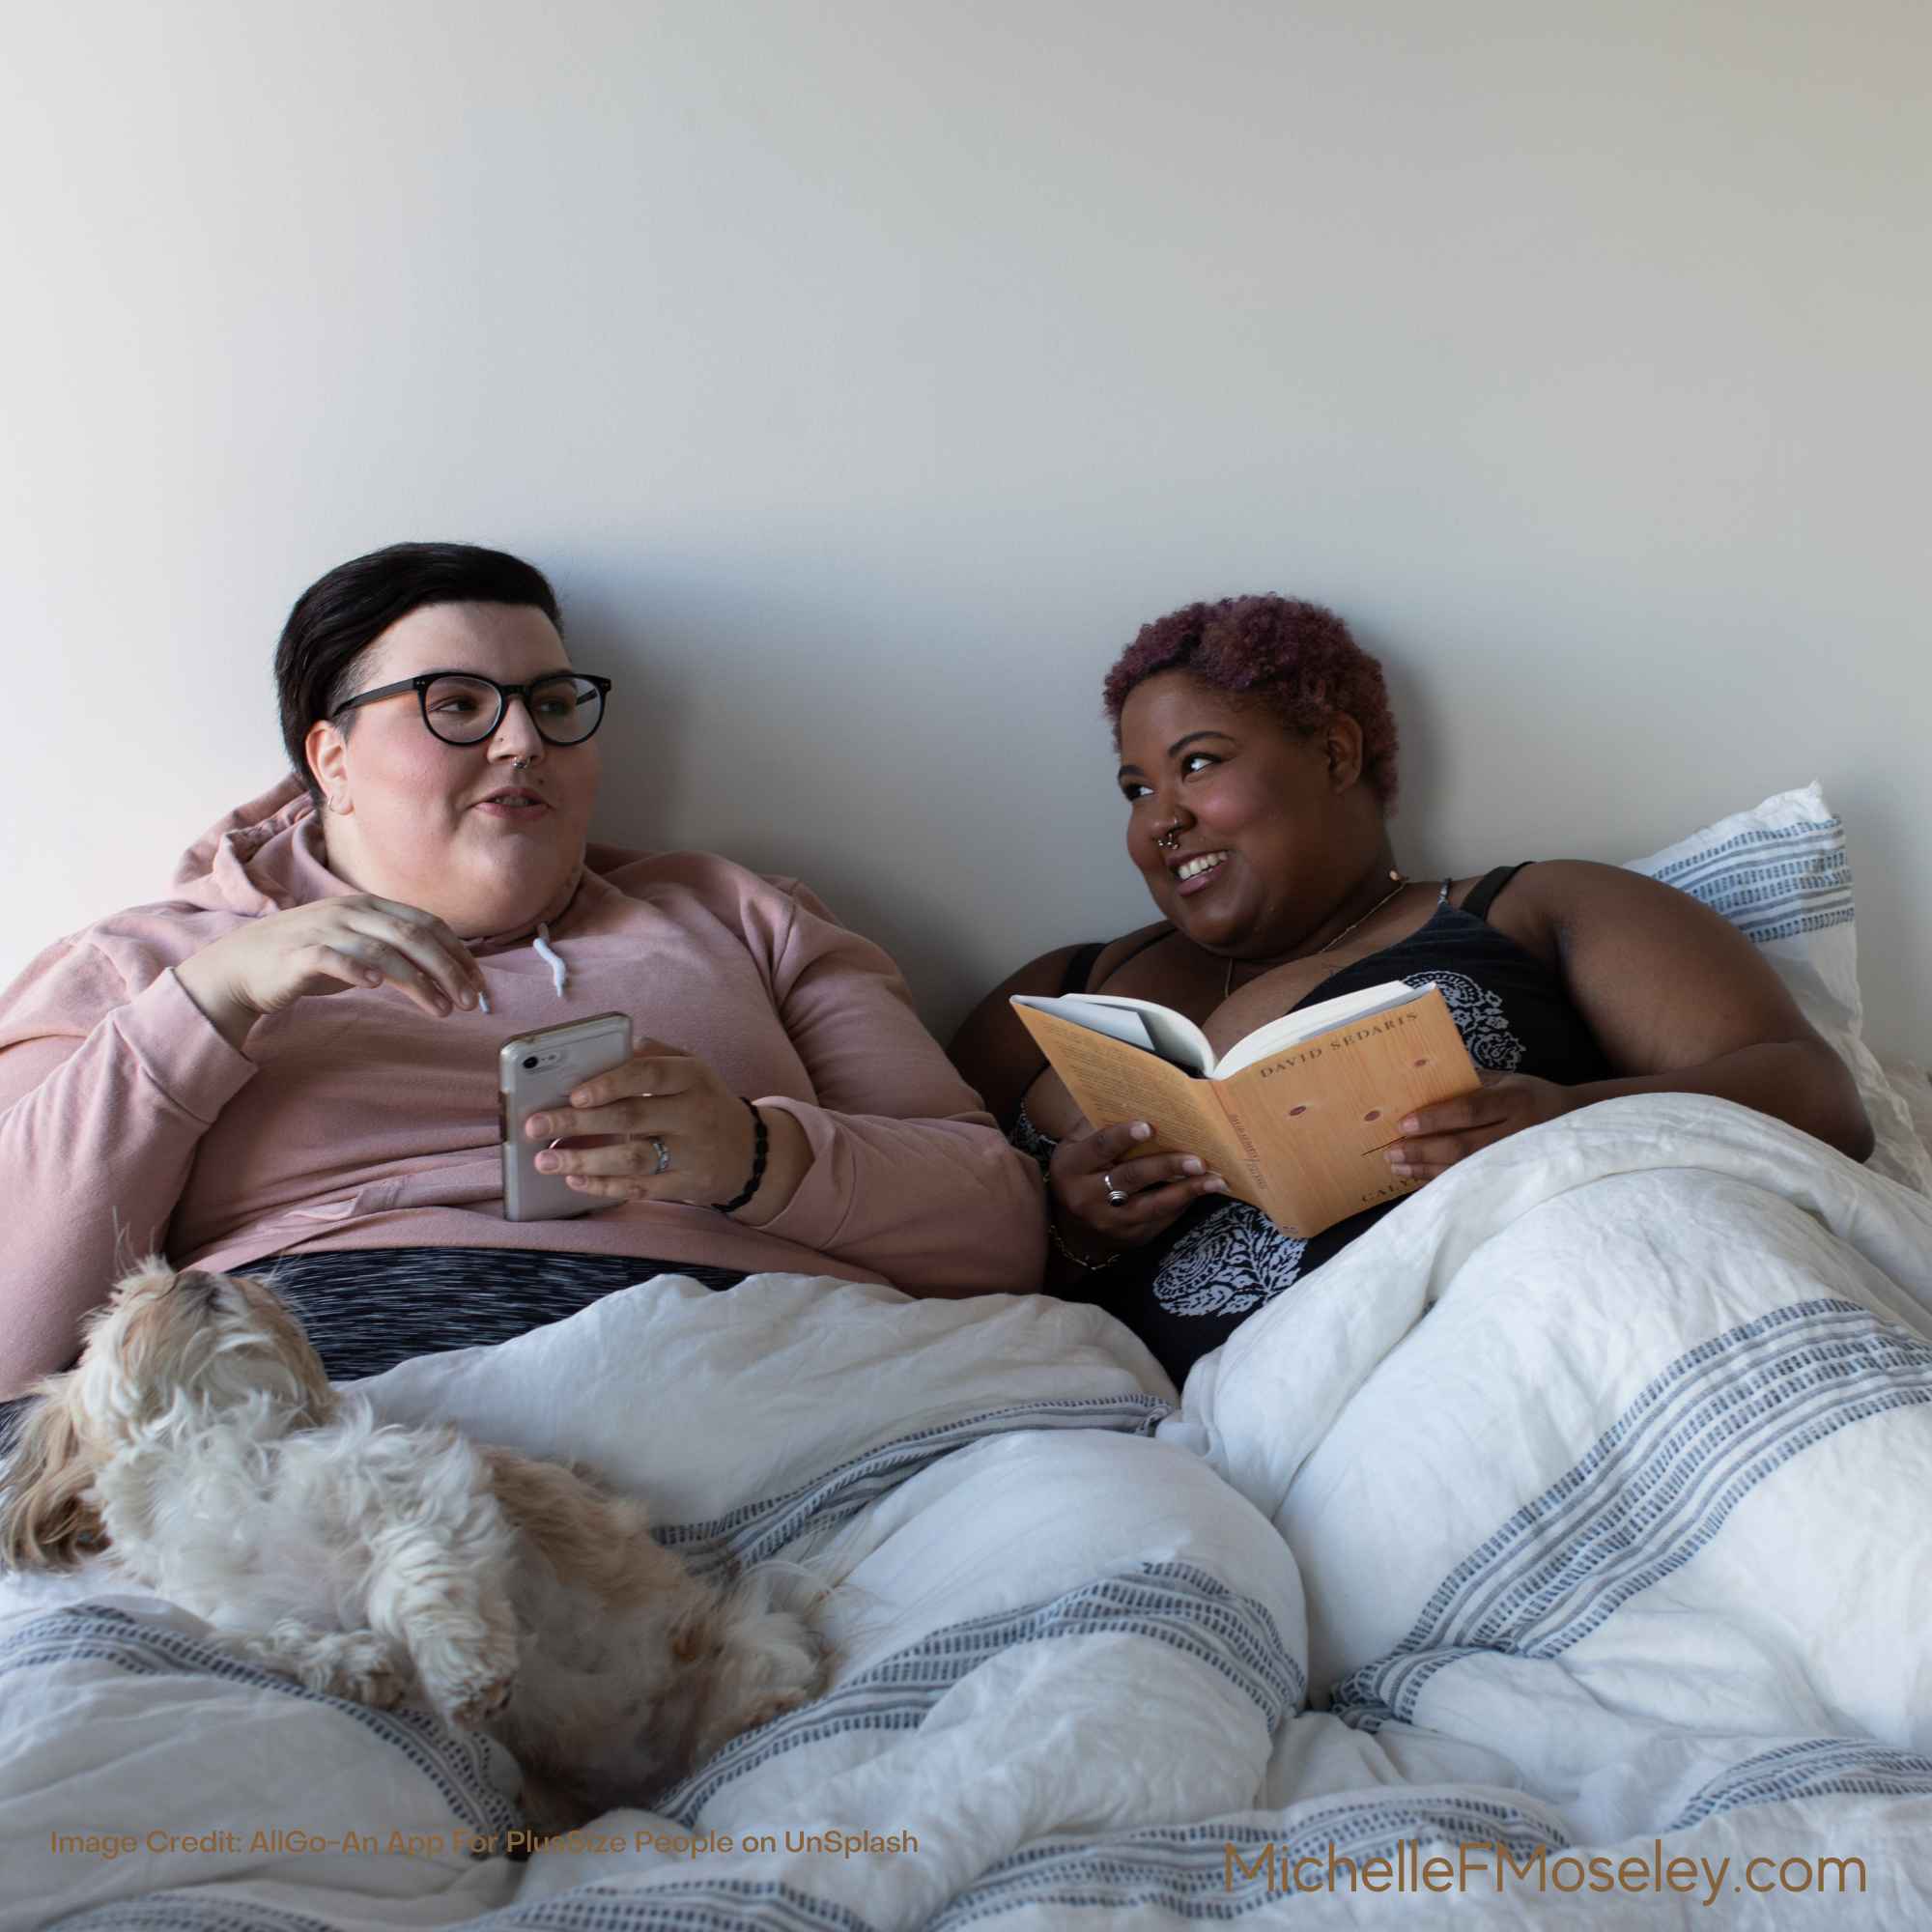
<point>1537,903</point>
<point>1563,908</point>
<point>1561,890</point>
<point>1045,974</point>
<point>993,1051</point>
<point>1117,951</point>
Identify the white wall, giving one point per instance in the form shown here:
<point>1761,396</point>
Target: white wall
<point>866,374</point>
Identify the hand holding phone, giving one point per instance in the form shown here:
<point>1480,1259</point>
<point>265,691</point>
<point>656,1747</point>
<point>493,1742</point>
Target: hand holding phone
<point>665,1127</point>
<point>536,1071</point>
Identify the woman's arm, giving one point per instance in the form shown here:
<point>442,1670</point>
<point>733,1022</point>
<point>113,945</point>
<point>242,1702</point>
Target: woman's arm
<point>1090,1165</point>
<point>908,1176</point>
<point>118,1054</point>
<point>994,1053</point>
<point>1680,1001</point>
<point>105,1092</point>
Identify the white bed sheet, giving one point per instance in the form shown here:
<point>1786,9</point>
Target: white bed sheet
<point>1578,1508</point>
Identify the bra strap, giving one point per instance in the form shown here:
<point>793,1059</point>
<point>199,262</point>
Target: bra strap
<point>1081,965</point>
<point>1483,894</point>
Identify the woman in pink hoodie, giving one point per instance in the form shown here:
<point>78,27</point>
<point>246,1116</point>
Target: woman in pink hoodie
<point>292,1057</point>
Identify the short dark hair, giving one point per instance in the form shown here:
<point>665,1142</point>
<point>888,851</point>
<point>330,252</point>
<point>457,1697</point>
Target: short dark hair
<point>1294,658</point>
<point>341,614</point>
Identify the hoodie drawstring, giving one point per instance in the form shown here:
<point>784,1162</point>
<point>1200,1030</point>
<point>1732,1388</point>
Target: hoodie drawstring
<point>559,971</point>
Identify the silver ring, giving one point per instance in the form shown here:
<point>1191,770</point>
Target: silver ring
<point>663,1156</point>
<point>1117,1197</point>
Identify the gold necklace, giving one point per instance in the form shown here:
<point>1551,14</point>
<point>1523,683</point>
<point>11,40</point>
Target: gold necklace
<point>1401,879</point>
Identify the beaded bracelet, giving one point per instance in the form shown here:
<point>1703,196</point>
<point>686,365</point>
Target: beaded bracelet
<point>761,1147</point>
<point>1080,1260</point>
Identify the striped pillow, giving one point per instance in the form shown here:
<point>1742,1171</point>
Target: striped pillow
<point>1780,874</point>
<point>1776,871</point>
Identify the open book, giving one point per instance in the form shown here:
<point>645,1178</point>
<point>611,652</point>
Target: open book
<point>1295,1117</point>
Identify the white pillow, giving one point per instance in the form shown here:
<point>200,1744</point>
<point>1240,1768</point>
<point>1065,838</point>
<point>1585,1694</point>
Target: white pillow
<point>1913,1086</point>
<point>1778,873</point>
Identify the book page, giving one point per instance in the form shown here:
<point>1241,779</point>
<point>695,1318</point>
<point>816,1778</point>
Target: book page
<point>1116,1022</point>
<point>1160,1029</point>
<point>1308,1021</point>
<point>1112,1081</point>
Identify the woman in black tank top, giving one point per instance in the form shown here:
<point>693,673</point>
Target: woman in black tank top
<point>1258,759</point>
<point>1186,1289</point>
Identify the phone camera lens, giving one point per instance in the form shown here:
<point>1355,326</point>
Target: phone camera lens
<point>529,1062</point>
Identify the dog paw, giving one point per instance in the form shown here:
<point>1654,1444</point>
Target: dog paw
<point>367,1670</point>
<point>769,1660</point>
<point>468,1666</point>
<point>357,1665</point>
<point>470,1706</point>
<point>776,1704</point>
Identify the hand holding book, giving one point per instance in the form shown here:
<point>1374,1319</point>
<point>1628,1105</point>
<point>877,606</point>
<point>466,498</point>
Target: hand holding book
<point>1435,1138</point>
<point>1298,1117</point>
<point>1117,1196</point>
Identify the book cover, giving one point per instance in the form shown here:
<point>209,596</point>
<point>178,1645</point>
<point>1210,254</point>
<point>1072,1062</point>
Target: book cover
<point>1299,1131</point>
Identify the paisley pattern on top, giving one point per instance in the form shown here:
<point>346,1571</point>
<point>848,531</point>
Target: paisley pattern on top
<point>1187,1289</point>
<point>1479,1016</point>
<point>1228,1265</point>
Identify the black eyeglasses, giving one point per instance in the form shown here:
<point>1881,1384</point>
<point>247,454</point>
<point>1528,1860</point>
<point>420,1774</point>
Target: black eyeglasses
<point>463,708</point>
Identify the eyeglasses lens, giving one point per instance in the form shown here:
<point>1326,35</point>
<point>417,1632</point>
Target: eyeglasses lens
<point>464,710</point>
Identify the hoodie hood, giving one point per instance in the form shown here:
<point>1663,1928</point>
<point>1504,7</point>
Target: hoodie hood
<point>269,854</point>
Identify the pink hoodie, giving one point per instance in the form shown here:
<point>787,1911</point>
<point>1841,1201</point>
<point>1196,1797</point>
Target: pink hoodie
<point>355,1120</point>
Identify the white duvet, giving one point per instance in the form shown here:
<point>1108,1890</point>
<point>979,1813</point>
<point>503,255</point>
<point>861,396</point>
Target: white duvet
<point>1558,1553</point>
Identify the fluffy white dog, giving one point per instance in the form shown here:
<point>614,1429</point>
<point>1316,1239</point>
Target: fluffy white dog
<point>199,1441</point>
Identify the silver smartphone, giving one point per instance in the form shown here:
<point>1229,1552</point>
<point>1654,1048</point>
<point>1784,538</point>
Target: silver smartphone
<point>539,1071</point>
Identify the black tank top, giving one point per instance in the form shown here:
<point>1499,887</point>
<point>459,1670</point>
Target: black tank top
<point>1187,1291</point>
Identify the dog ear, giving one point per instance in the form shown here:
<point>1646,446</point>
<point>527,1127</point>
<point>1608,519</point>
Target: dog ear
<point>48,1518</point>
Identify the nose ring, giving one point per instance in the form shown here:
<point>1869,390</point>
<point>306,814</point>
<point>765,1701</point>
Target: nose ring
<point>1169,838</point>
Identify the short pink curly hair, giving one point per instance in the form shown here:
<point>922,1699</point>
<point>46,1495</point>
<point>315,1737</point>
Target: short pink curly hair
<point>1297,659</point>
